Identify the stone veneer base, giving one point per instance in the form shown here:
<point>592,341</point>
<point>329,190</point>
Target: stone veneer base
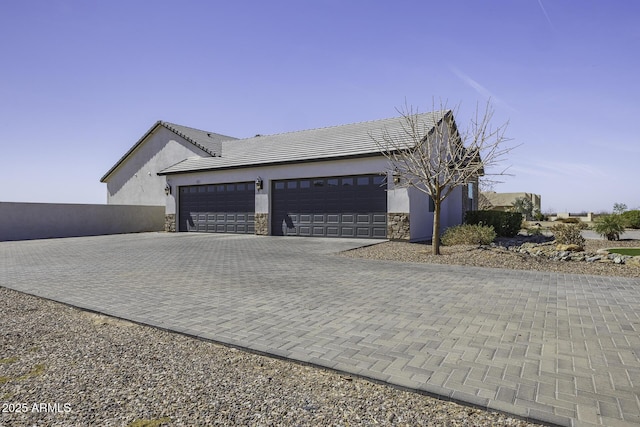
<point>262,224</point>
<point>398,226</point>
<point>170,223</point>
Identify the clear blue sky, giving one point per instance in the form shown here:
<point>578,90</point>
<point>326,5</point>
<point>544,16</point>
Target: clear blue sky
<point>82,81</point>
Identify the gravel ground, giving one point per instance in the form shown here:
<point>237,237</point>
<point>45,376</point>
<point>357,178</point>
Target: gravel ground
<point>60,366</point>
<point>495,258</point>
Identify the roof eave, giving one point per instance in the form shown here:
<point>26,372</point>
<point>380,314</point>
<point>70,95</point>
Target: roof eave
<point>272,163</point>
<point>144,137</point>
<point>131,150</point>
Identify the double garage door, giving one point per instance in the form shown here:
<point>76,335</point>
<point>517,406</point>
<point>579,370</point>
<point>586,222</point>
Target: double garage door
<point>344,206</point>
<point>218,208</point>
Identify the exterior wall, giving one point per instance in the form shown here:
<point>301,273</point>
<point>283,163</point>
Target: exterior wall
<point>397,198</point>
<point>410,206</point>
<point>135,181</point>
<point>24,221</point>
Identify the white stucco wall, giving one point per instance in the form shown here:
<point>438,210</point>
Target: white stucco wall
<point>136,182</point>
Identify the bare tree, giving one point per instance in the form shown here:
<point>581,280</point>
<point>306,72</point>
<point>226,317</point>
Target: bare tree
<point>435,157</point>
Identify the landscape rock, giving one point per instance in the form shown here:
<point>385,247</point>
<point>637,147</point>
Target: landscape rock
<point>570,247</point>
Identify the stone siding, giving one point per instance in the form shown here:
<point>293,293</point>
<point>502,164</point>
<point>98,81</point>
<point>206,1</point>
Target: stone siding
<point>398,226</point>
<point>262,224</point>
<point>170,223</point>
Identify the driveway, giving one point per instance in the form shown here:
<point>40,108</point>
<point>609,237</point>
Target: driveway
<point>549,347</point>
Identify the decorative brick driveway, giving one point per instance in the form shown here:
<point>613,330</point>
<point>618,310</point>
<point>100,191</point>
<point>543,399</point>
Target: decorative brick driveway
<point>549,347</point>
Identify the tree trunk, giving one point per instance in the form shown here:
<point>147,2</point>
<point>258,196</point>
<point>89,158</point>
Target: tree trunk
<point>435,243</point>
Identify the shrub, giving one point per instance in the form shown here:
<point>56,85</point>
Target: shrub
<point>609,226</point>
<point>568,234</point>
<point>505,224</point>
<point>631,219</point>
<point>569,220</point>
<point>534,231</point>
<point>468,234</point>
<point>539,216</point>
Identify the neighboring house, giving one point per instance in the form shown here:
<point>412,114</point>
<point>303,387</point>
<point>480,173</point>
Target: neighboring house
<point>331,182</point>
<point>490,200</point>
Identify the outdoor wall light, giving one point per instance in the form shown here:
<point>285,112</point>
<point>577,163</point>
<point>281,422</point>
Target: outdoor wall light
<point>167,189</point>
<point>396,176</point>
<point>258,183</point>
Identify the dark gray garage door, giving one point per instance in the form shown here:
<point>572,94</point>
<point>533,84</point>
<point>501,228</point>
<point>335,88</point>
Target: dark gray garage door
<point>219,208</point>
<point>345,206</point>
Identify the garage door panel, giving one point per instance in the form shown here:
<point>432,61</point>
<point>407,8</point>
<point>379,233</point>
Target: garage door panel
<point>347,232</point>
<point>379,219</point>
<point>329,207</point>
<point>217,208</point>
<point>363,232</point>
<point>305,219</point>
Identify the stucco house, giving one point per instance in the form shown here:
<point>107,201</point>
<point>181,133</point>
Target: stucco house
<point>331,182</point>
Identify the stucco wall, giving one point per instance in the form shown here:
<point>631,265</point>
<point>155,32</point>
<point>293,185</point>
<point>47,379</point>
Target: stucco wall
<point>397,199</point>
<point>136,181</point>
<point>24,221</point>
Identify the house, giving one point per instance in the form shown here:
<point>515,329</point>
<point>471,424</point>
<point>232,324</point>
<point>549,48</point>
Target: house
<point>331,182</point>
<point>490,200</point>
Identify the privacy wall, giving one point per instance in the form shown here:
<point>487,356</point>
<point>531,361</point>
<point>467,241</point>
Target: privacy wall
<point>25,221</point>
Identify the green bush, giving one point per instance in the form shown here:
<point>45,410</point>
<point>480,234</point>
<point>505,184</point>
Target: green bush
<point>505,224</point>
<point>569,220</point>
<point>539,216</point>
<point>467,234</point>
<point>534,231</point>
<point>568,234</point>
<point>631,219</point>
<point>609,226</point>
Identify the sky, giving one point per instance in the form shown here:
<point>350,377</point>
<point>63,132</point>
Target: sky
<point>82,81</point>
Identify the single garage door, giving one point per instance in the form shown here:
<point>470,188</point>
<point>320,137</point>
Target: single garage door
<point>344,206</point>
<point>218,208</point>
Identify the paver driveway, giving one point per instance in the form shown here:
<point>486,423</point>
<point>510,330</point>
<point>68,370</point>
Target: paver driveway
<point>552,347</point>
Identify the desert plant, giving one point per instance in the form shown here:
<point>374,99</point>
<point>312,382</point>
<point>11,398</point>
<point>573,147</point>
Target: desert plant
<point>523,206</point>
<point>631,219</point>
<point>467,234</point>
<point>539,216</point>
<point>505,224</point>
<point>568,234</point>
<point>609,226</point>
<point>534,231</point>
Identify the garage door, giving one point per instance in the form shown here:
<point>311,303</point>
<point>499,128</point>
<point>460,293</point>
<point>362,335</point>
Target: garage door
<point>219,208</point>
<point>345,206</point>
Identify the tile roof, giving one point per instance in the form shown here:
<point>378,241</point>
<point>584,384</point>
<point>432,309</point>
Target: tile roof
<point>206,141</point>
<point>327,143</point>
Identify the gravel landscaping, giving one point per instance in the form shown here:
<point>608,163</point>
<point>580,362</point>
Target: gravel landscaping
<point>498,256</point>
<point>60,366</point>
